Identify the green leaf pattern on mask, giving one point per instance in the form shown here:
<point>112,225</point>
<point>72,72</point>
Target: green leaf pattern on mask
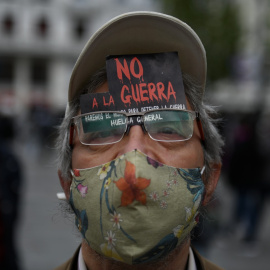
<point>113,218</point>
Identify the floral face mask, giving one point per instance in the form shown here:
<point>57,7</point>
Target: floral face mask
<point>135,209</point>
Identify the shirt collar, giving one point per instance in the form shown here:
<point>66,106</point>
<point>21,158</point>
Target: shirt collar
<point>81,263</point>
<point>191,261</point>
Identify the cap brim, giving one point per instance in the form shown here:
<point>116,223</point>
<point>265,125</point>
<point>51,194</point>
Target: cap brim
<point>139,33</point>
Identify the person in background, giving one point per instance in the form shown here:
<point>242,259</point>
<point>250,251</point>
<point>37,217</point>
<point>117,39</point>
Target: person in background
<point>138,151</point>
<point>11,182</point>
<point>248,150</point>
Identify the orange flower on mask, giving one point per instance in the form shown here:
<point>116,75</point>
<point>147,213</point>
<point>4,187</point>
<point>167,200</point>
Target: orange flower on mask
<point>131,186</point>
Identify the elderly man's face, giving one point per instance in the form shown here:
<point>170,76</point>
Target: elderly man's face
<point>185,154</point>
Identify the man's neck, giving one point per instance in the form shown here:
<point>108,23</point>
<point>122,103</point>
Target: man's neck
<point>177,260</point>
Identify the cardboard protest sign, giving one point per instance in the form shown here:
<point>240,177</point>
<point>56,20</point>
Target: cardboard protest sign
<point>139,83</point>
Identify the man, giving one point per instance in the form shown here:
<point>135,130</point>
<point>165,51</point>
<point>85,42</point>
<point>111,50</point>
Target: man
<point>11,182</point>
<point>134,165</point>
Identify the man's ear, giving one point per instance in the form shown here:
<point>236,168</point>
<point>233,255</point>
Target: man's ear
<point>211,183</point>
<point>65,184</point>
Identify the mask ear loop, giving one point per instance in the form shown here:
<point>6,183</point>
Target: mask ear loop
<point>202,170</point>
<point>200,127</point>
<point>72,173</point>
<point>61,195</point>
<point>71,134</point>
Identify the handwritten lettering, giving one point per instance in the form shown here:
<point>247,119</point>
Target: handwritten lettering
<point>120,69</point>
<point>125,98</point>
<point>144,82</point>
<point>111,101</point>
<point>153,117</point>
<point>118,122</point>
<point>140,68</point>
<point>133,110</point>
<point>135,94</point>
<point>93,117</point>
<point>161,88</point>
<point>94,103</point>
<point>149,108</point>
<point>171,91</point>
<point>178,106</point>
<point>141,92</point>
<point>152,89</point>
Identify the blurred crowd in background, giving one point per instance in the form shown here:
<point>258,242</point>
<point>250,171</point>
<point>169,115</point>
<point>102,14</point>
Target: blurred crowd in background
<point>39,43</point>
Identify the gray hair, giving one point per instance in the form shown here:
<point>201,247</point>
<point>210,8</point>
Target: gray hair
<point>213,141</point>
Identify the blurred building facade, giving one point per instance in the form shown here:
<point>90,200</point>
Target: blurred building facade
<point>40,41</point>
<point>248,88</point>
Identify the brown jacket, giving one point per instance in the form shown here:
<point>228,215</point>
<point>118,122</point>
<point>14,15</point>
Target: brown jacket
<point>202,263</point>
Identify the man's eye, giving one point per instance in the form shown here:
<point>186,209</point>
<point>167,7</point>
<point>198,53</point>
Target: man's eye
<point>103,134</point>
<point>167,130</point>
<point>102,137</point>
<point>167,127</point>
